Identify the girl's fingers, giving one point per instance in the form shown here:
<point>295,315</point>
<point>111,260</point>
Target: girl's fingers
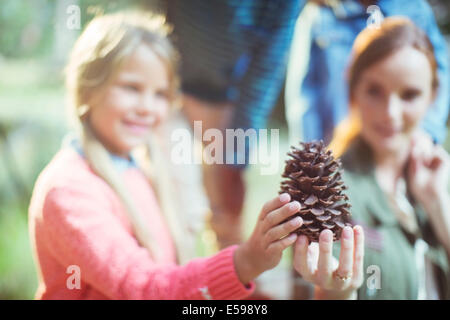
<point>273,204</point>
<point>325,263</point>
<point>358,257</point>
<point>343,273</point>
<point>279,215</point>
<point>313,258</point>
<point>301,257</point>
<point>280,245</point>
<point>279,231</point>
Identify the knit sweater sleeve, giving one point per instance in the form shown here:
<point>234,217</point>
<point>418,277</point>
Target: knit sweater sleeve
<point>80,230</point>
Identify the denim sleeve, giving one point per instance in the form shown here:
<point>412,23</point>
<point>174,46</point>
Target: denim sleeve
<point>260,87</point>
<point>436,117</point>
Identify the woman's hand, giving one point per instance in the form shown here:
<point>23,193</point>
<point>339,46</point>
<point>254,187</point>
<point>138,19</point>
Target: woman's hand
<point>316,264</point>
<point>263,250</point>
<point>428,171</point>
<point>428,180</point>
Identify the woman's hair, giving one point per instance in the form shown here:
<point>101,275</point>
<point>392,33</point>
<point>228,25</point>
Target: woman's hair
<point>95,59</point>
<point>371,46</point>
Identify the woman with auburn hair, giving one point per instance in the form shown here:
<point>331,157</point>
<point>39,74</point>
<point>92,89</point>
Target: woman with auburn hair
<point>398,179</point>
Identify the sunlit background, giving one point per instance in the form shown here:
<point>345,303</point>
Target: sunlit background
<point>34,42</point>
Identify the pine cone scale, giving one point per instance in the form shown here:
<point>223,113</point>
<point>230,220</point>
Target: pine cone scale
<point>313,177</point>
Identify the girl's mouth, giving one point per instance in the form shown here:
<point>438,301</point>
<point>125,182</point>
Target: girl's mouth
<point>137,127</point>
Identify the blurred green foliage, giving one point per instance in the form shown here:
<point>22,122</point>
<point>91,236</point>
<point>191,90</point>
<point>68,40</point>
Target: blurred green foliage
<point>19,19</point>
<point>28,26</point>
<point>31,128</point>
<point>17,270</point>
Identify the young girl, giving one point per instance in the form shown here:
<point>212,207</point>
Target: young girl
<point>398,180</point>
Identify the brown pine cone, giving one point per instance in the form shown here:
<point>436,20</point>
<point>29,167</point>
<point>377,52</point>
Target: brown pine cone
<point>313,178</point>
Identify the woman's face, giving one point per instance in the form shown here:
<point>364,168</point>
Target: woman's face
<point>392,97</point>
<point>123,113</point>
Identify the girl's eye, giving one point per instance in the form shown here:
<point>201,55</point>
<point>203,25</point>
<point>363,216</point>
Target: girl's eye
<point>410,94</point>
<point>164,94</point>
<point>130,87</point>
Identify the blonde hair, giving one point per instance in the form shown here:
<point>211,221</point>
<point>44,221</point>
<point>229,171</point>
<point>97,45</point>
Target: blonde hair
<point>94,61</point>
<point>371,46</point>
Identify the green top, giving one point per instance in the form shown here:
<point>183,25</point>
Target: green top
<point>389,249</point>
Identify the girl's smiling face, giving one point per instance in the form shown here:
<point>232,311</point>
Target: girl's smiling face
<point>392,97</point>
<point>136,100</point>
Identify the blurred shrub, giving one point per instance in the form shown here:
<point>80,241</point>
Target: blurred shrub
<point>18,278</point>
<point>28,26</point>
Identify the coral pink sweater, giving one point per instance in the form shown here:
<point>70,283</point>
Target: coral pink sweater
<point>75,219</point>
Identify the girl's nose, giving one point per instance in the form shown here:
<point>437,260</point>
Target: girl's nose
<point>150,106</point>
<point>146,105</point>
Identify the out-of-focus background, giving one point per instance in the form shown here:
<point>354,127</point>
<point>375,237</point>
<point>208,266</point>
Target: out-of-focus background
<point>34,43</point>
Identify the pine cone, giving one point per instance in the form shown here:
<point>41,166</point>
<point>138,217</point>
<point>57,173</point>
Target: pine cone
<point>313,178</point>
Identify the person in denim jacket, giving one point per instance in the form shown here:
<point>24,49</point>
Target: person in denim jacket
<point>321,100</point>
<point>233,65</point>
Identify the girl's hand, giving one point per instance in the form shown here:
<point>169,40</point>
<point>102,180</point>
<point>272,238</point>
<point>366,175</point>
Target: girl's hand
<point>316,264</point>
<point>428,172</point>
<point>263,250</point>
